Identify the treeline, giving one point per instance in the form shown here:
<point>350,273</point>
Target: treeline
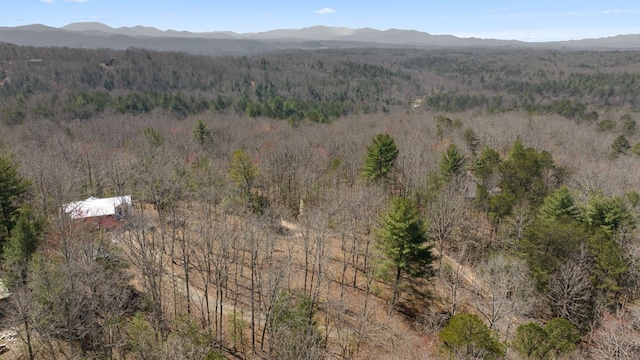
<point>609,89</point>
<point>78,84</point>
<point>548,74</point>
<point>454,102</point>
<point>319,86</point>
<point>531,84</point>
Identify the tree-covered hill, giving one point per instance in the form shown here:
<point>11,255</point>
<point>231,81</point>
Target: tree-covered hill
<point>61,83</point>
<point>352,204</point>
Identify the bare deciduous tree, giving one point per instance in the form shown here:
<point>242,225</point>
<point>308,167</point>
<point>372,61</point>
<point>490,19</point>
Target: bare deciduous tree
<point>570,294</point>
<point>512,229</point>
<point>446,215</point>
<point>451,278</point>
<point>504,291</point>
<point>617,338</point>
<point>146,250</point>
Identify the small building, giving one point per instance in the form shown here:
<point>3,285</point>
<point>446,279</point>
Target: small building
<point>94,208</point>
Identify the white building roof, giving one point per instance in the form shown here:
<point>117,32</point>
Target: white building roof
<point>93,206</point>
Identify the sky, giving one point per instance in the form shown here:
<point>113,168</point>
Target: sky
<point>532,20</point>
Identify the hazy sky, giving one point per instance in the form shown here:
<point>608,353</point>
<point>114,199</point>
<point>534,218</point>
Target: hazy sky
<point>532,20</point>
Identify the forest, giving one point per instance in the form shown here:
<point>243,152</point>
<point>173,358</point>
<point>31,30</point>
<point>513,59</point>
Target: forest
<point>328,204</point>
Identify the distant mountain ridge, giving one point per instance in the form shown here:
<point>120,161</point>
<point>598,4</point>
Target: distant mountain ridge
<point>98,35</point>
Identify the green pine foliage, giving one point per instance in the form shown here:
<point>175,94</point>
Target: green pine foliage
<point>402,239</point>
<point>620,145</point>
<point>633,198</point>
<point>563,234</point>
<point>500,206</point>
<point>629,125</point>
<point>609,265</point>
<point>557,338</point>
<point>607,213</point>
<point>21,245</point>
<point>486,170</point>
<point>202,133</point>
<point>525,177</point>
<point>530,341</point>
<point>487,163</point>
<point>562,337</point>
<point>559,204</point>
<point>471,139</point>
<point>524,173</point>
<point>606,125</point>
<point>466,337</point>
<point>548,244</point>
<point>12,190</point>
<point>153,137</point>
<point>380,158</point>
<point>244,173</point>
<point>452,162</point>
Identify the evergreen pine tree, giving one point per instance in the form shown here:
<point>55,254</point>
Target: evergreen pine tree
<point>380,158</point>
<point>559,204</point>
<point>620,145</point>
<point>452,163</point>
<point>530,341</point>
<point>562,336</point>
<point>201,133</point>
<point>607,213</point>
<point>244,173</point>
<point>21,244</point>
<point>467,337</point>
<point>472,140</point>
<point>402,239</point>
<point>12,189</point>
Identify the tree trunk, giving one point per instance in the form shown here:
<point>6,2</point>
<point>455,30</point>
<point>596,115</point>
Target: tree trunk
<point>396,288</point>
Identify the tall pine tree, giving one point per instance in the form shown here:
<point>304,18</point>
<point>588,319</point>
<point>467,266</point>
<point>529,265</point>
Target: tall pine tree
<point>559,204</point>
<point>380,158</point>
<point>21,245</point>
<point>402,238</point>
<point>12,189</point>
<point>202,133</point>
<point>452,163</point>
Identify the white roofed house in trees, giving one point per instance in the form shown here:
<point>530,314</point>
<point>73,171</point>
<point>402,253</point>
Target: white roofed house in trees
<point>101,210</point>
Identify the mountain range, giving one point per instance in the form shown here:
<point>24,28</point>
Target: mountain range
<point>97,35</point>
